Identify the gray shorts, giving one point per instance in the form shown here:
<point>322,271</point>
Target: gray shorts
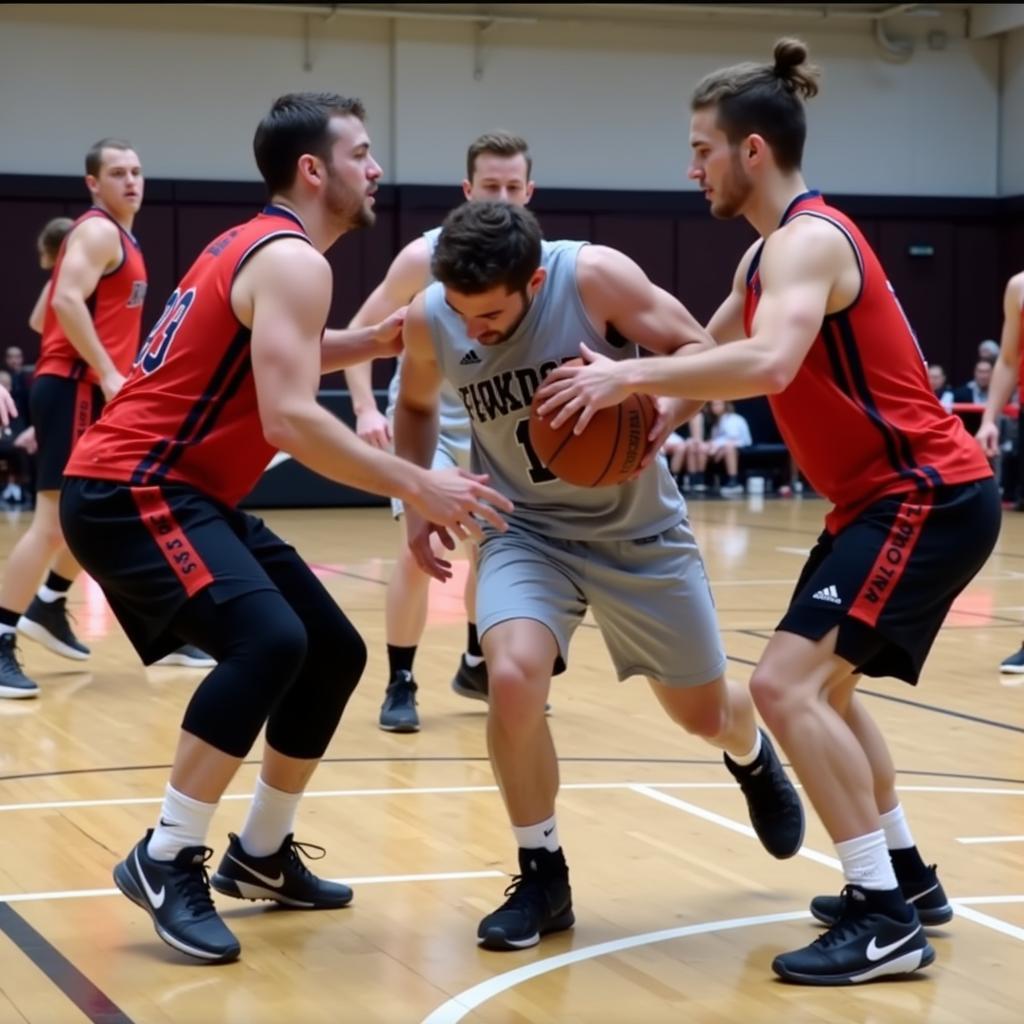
<point>650,598</point>
<point>449,454</point>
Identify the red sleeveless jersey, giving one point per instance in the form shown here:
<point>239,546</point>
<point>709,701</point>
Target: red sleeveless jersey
<point>188,412</point>
<point>115,306</point>
<point>860,417</point>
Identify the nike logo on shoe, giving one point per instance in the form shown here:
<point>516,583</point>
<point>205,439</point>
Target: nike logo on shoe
<point>155,898</point>
<point>876,952</point>
<point>274,883</point>
<point>921,895</point>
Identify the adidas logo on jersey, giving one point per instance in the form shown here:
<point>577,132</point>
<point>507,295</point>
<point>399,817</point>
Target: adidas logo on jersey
<point>829,594</point>
<point>469,359</point>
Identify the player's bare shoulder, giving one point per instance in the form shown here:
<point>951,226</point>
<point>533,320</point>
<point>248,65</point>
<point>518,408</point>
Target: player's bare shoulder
<point>288,267</point>
<point>410,270</point>
<point>98,239</point>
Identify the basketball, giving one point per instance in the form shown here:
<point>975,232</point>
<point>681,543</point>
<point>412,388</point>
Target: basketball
<point>607,453</point>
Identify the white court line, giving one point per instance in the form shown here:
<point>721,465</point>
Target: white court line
<point>56,805</point>
<point>465,1002</point>
<point>733,826</point>
<point>989,922</point>
<point>980,901</point>
<point>802,552</point>
<point>75,894</point>
<point>990,839</point>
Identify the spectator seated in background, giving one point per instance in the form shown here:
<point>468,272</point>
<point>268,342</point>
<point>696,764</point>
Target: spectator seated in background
<point>20,379</point>
<point>729,433</point>
<point>685,453</point>
<point>989,349</point>
<point>975,390</point>
<point>17,440</point>
<point>940,385</point>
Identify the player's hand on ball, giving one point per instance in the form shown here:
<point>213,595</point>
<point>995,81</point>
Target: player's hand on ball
<point>581,389</point>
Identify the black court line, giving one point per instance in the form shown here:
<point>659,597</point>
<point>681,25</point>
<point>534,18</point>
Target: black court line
<point>459,759</point>
<point>93,1003</point>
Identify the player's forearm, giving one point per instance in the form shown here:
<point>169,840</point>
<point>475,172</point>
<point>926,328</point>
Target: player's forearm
<point>727,371</point>
<point>1004,379</point>
<point>360,385</point>
<point>344,349</point>
<point>416,433</point>
<point>37,317</point>
<point>311,435</point>
<point>76,322</point>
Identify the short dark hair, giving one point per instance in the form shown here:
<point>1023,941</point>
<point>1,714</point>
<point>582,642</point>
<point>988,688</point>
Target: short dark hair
<point>298,123</point>
<point>499,144</point>
<point>53,233</point>
<point>484,244</point>
<point>94,158</point>
<point>764,99</point>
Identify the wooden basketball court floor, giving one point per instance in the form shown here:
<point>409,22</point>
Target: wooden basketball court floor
<point>679,912</point>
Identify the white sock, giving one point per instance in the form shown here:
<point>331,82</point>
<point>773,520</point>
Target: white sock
<point>897,831</point>
<point>271,818</point>
<point>866,861</point>
<point>749,759</point>
<point>542,836</point>
<point>183,822</point>
<point>44,593</point>
<point>4,628</point>
<point>472,660</point>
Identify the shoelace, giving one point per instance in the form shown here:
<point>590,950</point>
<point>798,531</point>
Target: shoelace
<point>194,886</point>
<point>846,922</point>
<point>401,692</point>
<point>305,849</point>
<point>520,890</point>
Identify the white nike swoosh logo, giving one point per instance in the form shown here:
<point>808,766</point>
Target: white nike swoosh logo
<point>156,898</point>
<point>914,899</point>
<point>876,952</point>
<point>275,883</point>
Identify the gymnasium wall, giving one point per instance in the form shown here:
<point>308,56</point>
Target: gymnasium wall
<point>604,108</point>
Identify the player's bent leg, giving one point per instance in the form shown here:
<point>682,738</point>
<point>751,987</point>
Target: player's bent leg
<point>722,713</point>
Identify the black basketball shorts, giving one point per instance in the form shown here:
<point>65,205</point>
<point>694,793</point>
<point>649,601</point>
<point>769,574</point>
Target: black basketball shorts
<point>889,578</point>
<point>62,410</point>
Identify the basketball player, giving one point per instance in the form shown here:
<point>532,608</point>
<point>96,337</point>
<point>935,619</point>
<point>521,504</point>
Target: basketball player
<point>229,374</point>
<point>90,333</point>
<point>505,310</point>
<point>916,510</point>
<point>1007,376</point>
<point>498,166</point>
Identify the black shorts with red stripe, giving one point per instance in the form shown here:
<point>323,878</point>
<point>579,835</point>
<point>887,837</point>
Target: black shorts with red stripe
<point>62,409</point>
<point>153,548</point>
<point>889,579</point>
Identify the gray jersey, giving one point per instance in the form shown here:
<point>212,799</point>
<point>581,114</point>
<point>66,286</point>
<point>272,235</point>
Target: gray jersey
<point>496,384</point>
<point>454,425</point>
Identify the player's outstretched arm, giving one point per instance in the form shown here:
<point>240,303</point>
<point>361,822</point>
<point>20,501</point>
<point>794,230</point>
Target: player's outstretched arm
<point>283,295</point>
<point>799,268</point>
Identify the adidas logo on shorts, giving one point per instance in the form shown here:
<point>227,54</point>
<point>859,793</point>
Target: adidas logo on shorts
<point>469,359</point>
<point>829,594</point>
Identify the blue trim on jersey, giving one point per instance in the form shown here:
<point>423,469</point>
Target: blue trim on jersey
<point>272,210</point>
<point>809,194</point>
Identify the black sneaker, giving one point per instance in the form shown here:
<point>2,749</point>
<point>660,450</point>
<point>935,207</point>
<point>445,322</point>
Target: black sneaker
<point>775,809</point>
<point>176,894</point>
<point>188,656</point>
<point>862,945</point>
<point>925,894</point>
<point>539,901</point>
<point>398,712</point>
<point>47,623</point>
<point>281,877</point>
<point>471,680</point>
<point>14,684</point>
<point>1014,663</point>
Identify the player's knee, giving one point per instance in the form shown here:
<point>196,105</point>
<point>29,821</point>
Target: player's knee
<point>517,694</point>
<point>279,647</point>
<point>771,696</point>
<point>704,718</point>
